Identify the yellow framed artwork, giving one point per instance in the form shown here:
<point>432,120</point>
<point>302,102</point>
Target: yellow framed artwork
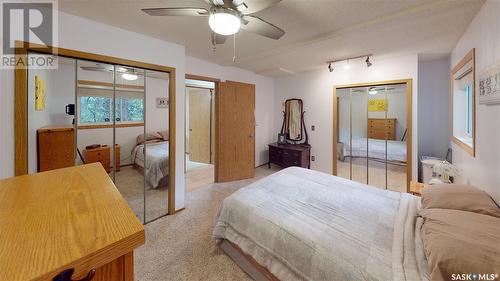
<point>39,93</point>
<point>377,105</point>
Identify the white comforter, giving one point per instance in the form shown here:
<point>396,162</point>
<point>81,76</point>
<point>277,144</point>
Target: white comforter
<point>396,150</point>
<point>156,164</point>
<point>306,225</point>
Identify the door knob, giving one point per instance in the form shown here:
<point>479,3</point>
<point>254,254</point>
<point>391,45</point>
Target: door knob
<point>250,136</point>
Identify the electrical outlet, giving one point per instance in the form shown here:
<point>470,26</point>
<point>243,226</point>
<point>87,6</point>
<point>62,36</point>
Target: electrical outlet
<point>313,158</point>
<point>313,128</point>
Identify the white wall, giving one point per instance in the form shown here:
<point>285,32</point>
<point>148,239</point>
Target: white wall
<point>264,99</point>
<point>482,171</point>
<point>316,90</point>
<point>434,112</point>
<point>84,35</point>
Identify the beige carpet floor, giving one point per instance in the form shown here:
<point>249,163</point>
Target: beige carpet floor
<point>396,174</point>
<point>180,247</point>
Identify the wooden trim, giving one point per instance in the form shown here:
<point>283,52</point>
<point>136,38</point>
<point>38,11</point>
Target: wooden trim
<point>91,57</point>
<point>202,78</point>
<point>103,126</point>
<point>21,113</point>
<point>106,84</point>
<point>172,140</point>
<point>471,55</point>
<point>409,118</point>
<point>21,104</point>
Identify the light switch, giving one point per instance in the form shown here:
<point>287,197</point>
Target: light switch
<point>313,128</point>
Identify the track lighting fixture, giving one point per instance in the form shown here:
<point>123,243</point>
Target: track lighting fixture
<point>368,63</point>
<point>347,60</point>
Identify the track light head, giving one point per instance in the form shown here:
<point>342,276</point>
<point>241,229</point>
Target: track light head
<point>330,67</point>
<point>368,63</point>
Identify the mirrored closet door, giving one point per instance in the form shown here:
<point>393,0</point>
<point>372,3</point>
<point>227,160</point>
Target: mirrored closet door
<point>112,114</point>
<point>371,132</point>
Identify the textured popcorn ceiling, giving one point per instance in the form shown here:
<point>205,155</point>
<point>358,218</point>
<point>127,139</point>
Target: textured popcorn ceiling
<point>316,30</point>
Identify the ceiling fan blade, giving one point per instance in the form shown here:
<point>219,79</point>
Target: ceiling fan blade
<point>217,38</point>
<point>253,6</point>
<point>176,11</point>
<point>257,25</point>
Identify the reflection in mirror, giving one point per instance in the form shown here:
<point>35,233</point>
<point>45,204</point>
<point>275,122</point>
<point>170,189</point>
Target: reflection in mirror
<point>293,124</point>
<point>51,100</point>
<point>463,102</point>
<point>155,164</point>
<point>371,135</point>
<point>129,129</point>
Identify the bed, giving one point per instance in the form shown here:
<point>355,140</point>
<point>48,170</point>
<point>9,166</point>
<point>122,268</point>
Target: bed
<point>300,224</point>
<point>396,150</point>
<point>155,167</point>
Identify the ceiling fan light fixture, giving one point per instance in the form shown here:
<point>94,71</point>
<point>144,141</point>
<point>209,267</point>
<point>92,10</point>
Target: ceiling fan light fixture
<point>129,76</point>
<point>224,22</point>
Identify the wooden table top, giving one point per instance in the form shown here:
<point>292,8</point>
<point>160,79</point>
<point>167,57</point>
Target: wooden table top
<point>55,220</point>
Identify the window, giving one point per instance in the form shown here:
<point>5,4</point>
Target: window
<point>97,108</point>
<point>468,114</point>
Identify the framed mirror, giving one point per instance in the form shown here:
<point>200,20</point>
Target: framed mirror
<point>293,123</point>
<point>463,102</point>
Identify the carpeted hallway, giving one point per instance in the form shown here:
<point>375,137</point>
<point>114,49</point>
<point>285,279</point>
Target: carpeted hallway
<point>180,247</point>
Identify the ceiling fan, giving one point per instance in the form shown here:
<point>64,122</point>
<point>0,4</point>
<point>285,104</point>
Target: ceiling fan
<point>226,17</point>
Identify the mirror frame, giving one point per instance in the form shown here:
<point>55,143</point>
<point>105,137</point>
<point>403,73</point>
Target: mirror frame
<point>286,125</point>
<point>21,103</point>
<point>470,56</point>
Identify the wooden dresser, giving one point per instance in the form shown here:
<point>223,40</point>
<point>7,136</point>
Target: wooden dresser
<point>287,155</point>
<point>71,218</point>
<point>56,147</point>
<point>377,128</point>
<point>103,155</point>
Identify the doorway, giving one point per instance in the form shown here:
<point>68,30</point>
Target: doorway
<point>199,132</point>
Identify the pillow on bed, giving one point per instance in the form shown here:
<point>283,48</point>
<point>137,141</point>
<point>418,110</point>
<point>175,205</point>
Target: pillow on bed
<point>164,135</point>
<point>459,242</point>
<point>459,197</point>
<point>148,137</point>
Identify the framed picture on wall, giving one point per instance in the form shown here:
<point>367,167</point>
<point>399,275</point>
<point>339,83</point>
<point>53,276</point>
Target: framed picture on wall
<point>489,84</point>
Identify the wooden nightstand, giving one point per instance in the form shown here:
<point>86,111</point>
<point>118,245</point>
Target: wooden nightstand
<point>102,154</point>
<point>416,188</point>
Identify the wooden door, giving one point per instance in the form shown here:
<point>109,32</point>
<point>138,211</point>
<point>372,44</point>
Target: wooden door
<point>199,125</point>
<point>235,143</point>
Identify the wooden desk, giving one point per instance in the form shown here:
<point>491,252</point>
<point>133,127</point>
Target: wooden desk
<point>66,218</point>
<point>416,188</point>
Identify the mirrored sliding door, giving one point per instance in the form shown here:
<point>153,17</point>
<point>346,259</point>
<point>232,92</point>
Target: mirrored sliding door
<point>372,129</point>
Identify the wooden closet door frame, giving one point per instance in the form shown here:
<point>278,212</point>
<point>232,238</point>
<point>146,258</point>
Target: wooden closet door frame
<point>409,95</point>
<point>216,81</point>
<point>21,103</point>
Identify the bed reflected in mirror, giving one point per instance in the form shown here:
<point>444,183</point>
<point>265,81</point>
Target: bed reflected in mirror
<point>463,103</point>
<point>371,130</point>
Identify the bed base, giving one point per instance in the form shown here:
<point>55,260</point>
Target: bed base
<point>246,262</point>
